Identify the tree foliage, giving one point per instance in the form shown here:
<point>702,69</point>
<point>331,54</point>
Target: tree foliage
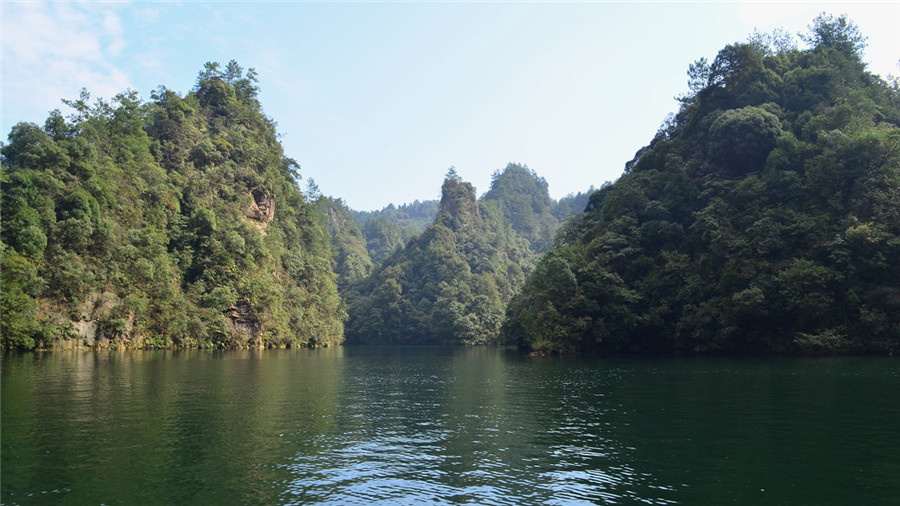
<point>450,284</point>
<point>390,228</point>
<point>839,34</point>
<point>763,218</point>
<point>352,260</point>
<point>175,222</point>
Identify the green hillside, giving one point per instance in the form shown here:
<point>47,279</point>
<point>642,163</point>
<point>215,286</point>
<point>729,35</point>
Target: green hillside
<point>174,222</point>
<point>450,284</point>
<point>390,228</point>
<point>351,259</point>
<point>763,218</point>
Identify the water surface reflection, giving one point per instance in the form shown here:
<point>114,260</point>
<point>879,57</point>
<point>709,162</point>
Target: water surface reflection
<point>444,425</point>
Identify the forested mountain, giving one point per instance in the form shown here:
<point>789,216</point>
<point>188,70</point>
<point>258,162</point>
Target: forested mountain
<point>763,218</point>
<point>173,222</point>
<point>389,229</point>
<point>573,203</point>
<point>351,260</point>
<point>524,203</point>
<point>450,284</point>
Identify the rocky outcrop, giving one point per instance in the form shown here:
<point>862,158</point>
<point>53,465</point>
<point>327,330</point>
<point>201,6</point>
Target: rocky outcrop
<point>459,206</point>
<point>98,323</point>
<point>244,325</point>
<point>262,209</point>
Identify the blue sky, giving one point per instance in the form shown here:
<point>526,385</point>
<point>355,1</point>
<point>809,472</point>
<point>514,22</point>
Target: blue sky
<point>377,100</point>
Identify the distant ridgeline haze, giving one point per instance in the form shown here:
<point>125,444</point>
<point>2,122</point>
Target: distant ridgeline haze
<point>763,218</point>
<point>176,222</point>
<point>375,235</point>
<point>390,228</point>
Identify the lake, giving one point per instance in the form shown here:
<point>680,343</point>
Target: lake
<point>364,425</point>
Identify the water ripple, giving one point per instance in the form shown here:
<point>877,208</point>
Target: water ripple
<point>444,426</point>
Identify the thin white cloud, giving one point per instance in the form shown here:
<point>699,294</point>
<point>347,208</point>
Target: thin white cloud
<point>148,15</point>
<point>52,50</point>
<point>113,26</point>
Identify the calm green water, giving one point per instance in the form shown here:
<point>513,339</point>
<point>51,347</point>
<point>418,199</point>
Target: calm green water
<point>445,425</point>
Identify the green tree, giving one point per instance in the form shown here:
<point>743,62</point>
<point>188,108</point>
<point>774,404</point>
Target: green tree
<point>839,33</point>
<point>742,139</point>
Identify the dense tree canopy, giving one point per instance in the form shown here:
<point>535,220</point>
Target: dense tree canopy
<point>390,228</point>
<point>450,284</point>
<point>176,222</point>
<point>763,218</point>
<point>351,260</point>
